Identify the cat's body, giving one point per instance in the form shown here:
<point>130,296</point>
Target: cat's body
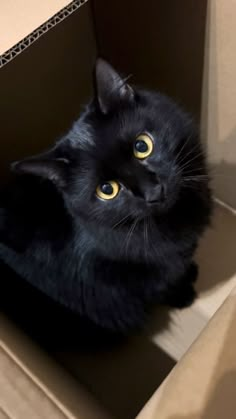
<point>112,260</point>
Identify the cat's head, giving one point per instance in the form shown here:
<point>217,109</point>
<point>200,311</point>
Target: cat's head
<point>132,153</point>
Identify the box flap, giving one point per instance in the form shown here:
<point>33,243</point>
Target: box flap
<point>202,385</point>
<point>19,18</point>
<point>20,395</point>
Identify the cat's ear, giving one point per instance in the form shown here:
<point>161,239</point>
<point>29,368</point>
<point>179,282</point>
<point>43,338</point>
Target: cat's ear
<point>110,87</point>
<point>46,165</point>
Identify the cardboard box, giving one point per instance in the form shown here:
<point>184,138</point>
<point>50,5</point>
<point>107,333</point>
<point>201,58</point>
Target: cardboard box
<point>202,385</point>
<point>47,50</point>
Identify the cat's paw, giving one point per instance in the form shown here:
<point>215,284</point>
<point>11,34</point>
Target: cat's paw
<point>192,273</point>
<point>183,297</point>
<point>183,293</point>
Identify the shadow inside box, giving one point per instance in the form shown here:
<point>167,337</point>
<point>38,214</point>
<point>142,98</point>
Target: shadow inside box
<point>121,373</point>
<point>216,253</point>
<point>123,378</point>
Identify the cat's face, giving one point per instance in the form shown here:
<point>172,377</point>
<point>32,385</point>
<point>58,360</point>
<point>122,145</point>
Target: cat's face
<point>129,169</point>
<point>126,158</point>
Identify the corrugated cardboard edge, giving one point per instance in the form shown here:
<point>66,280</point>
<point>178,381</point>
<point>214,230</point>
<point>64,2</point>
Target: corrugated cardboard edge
<point>39,388</point>
<point>41,30</point>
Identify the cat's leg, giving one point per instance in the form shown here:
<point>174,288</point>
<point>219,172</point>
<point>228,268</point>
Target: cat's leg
<point>183,293</point>
<point>114,308</point>
<point>111,299</point>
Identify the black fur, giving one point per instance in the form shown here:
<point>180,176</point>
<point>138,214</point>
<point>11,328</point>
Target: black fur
<point>111,261</point>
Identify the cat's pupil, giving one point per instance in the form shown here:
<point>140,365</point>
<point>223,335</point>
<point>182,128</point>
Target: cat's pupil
<point>107,188</point>
<point>141,146</point>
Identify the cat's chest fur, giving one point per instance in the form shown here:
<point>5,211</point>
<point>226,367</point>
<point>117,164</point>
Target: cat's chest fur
<point>88,257</point>
<point>107,275</point>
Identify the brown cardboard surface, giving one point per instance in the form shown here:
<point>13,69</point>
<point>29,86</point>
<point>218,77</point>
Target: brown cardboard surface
<point>20,395</point>
<point>218,119</point>
<point>122,378</point>
<point>33,386</point>
<point>43,88</point>
<point>202,385</point>
<point>18,18</point>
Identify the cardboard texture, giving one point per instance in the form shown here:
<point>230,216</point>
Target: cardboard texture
<point>24,16</point>
<point>185,49</point>
<point>33,386</point>
<point>219,96</point>
<point>44,87</point>
<point>14,381</point>
<point>202,385</point>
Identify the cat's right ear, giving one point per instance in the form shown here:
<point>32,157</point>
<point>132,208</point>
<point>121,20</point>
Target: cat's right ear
<point>110,87</point>
<point>46,165</point>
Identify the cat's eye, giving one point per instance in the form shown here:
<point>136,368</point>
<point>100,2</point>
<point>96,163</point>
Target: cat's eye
<point>108,190</point>
<point>143,146</point>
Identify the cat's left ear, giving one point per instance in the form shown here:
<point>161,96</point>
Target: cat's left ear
<point>46,165</point>
<point>110,87</point>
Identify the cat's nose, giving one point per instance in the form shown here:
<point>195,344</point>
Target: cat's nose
<point>155,195</point>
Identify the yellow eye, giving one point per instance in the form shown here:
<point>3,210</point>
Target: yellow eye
<point>108,190</point>
<point>143,146</point>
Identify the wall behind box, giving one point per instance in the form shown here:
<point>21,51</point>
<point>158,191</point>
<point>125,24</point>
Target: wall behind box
<point>43,88</point>
<point>219,96</point>
<point>160,42</point>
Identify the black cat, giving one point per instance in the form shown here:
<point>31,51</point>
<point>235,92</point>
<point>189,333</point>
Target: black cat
<point>107,222</point>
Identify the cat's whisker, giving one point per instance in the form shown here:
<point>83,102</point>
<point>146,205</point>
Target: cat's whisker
<point>212,173</point>
<point>182,148</point>
<point>196,146</point>
<point>197,171</point>
<point>129,235</point>
<point>193,183</point>
<point>199,154</point>
<point>192,186</point>
<point>196,178</point>
<point>96,213</point>
<point>186,165</point>
<point>121,222</point>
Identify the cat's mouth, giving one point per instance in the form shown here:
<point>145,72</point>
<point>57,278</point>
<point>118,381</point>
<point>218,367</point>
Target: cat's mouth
<point>155,201</point>
<point>153,208</point>
<point>156,207</point>
<point>159,206</point>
